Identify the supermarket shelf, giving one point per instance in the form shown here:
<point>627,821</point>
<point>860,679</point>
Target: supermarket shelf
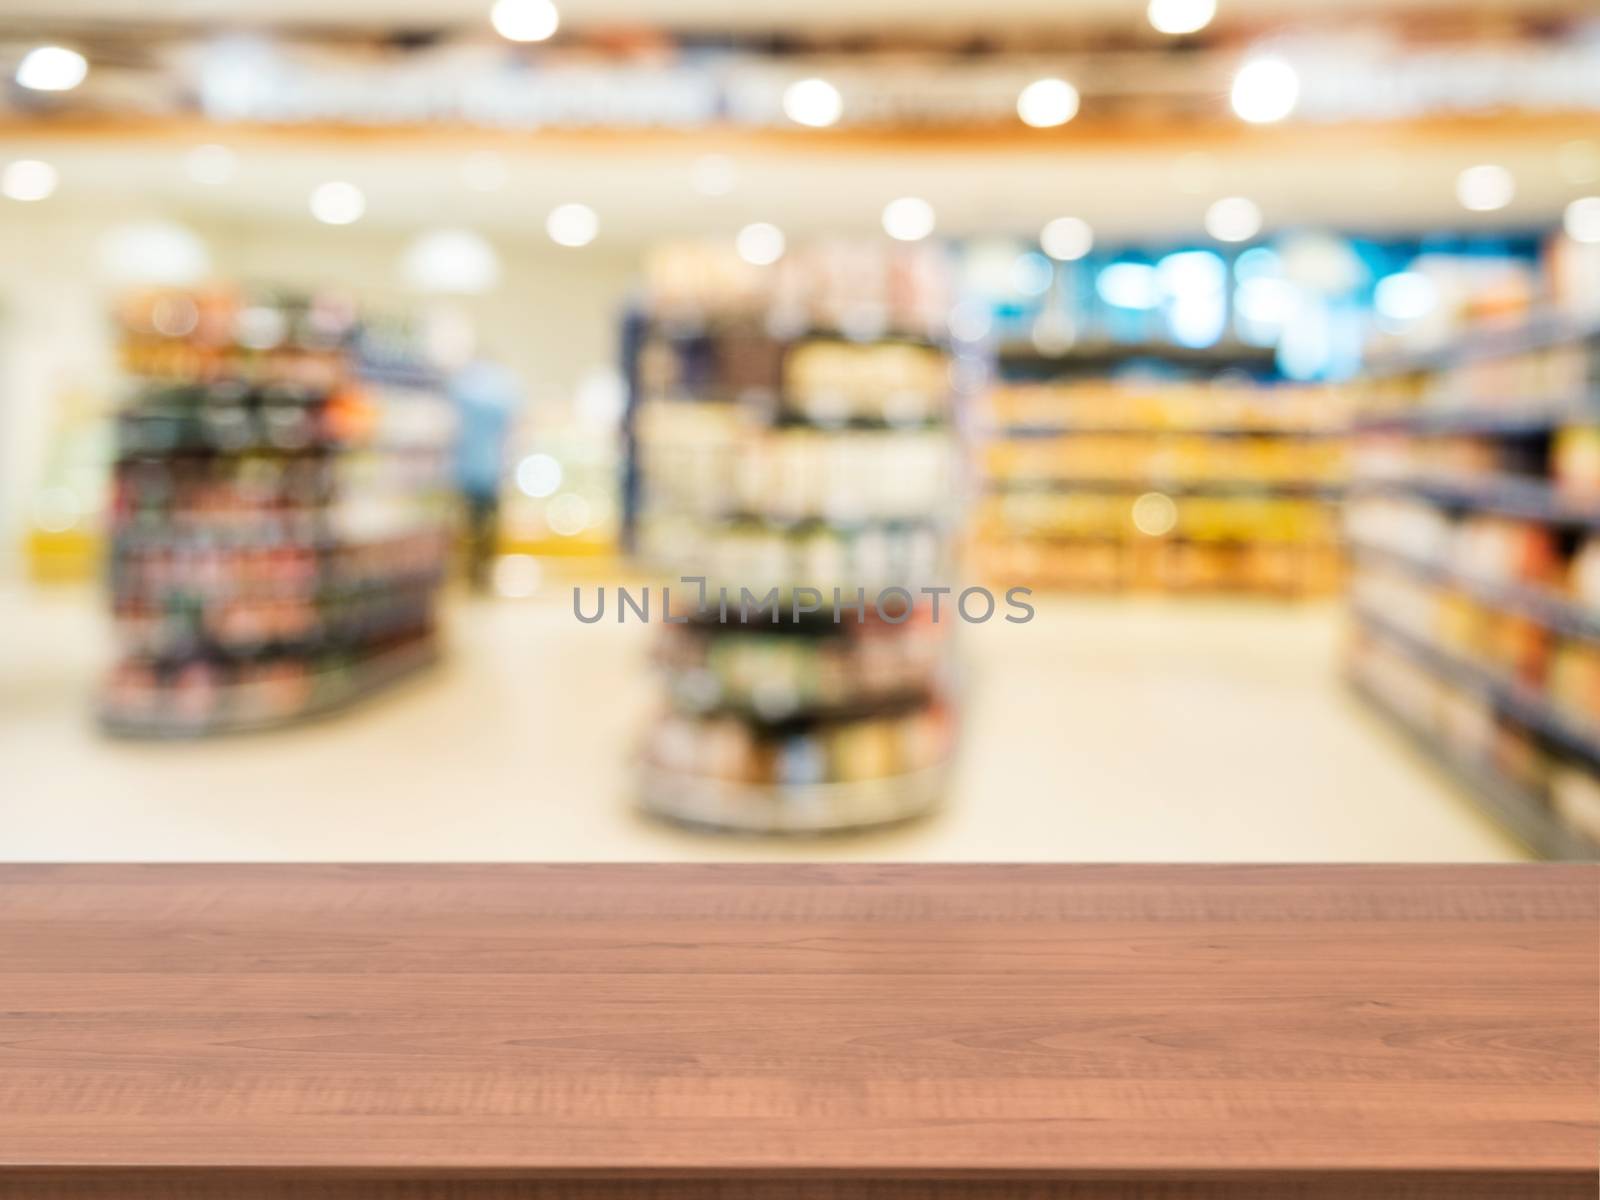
<point>1487,342</point>
<point>318,447</point>
<point>722,387</point>
<point>398,376</point>
<point>329,590</point>
<point>1524,420</point>
<point>1026,430</point>
<point>1554,612</point>
<point>379,673</point>
<point>1493,414</point>
<point>1533,499</point>
<point>705,802</point>
<point>198,652</point>
<point>827,620</point>
<point>1171,487</point>
<point>1136,564</point>
<point>745,520</point>
<point>1522,704</point>
<point>811,623</point>
<point>256,375</point>
<point>788,418</point>
<point>1519,811</point>
<point>1133,537</point>
<point>692,328</point>
<point>804,715</point>
<point>309,533</point>
<point>334,635</point>
<point>784,412</point>
<point>1100,353</point>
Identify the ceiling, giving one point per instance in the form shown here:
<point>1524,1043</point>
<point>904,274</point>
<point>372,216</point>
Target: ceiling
<point>749,15</point>
<point>643,187</point>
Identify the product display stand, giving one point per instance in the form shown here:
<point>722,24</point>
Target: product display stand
<point>278,523</point>
<point>1475,534</point>
<point>1220,483</point>
<point>820,469</point>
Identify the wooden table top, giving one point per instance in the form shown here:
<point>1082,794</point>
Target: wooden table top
<point>1146,1027</point>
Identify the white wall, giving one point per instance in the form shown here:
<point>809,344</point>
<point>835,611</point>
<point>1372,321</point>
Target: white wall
<point>54,338</point>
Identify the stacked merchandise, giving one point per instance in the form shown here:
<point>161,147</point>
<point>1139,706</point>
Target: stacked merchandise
<point>791,434</point>
<point>278,517</point>
<point>1475,533</point>
<point>1224,484</point>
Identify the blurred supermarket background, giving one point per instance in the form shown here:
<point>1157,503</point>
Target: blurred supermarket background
<point>339,342</point>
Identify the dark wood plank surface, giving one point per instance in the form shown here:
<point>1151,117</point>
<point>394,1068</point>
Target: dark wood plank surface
<point>456,1030</point>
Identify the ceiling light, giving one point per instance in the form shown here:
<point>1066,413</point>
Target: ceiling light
<point>760,244</point>
<point>210,164</point>
<point>1485,188</point>
<point>1190,274</point>
<point>1031,274</point>
<point>1233,219</point>
<point>572,225</point>
<point>813,102</point>
<point>538,476</point>
<point>1154,514</point>
<point>1265,300</point>
<point>1582,219</point>
<point>1181,16</point>
<point>1045,103</point>
<point>524,20</point>
<point>1405,296</point>
<point>337,203</point>
<point>1128,285</point>
<point>1265,90</point>
<point>1067,238</point>
<point>969,321</point>
<point>28,179</point>
<point>1258,262</point>
<point>52,69</point>
<point>908,219</point>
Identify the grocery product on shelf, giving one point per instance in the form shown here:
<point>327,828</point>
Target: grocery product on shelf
<point>1520,372</point>
<point>1221,484</point>
<point>278,522</point>
<point>792,428</point>
<point>1475,538</point>
<point>822,668</point>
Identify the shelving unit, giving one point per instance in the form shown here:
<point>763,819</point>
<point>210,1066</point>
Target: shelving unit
<point>1189,473</point>
<point>785,454</point>
<point>278,523</point>
<point>1493,492</point>
<point>1520,811</point>
<point>1552,610</point>
<point>1474,525</point>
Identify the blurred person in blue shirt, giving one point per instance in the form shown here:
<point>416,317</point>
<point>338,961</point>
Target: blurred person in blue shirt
<point>487,398</point>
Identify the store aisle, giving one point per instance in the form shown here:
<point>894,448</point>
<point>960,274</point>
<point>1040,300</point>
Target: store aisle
<point>1101,730</point>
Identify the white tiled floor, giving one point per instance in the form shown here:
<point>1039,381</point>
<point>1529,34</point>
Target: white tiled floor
<point>1102,730</point>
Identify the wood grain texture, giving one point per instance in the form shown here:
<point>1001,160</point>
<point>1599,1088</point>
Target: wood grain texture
<point>1353,1186</point>
<point>499,1032</point>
